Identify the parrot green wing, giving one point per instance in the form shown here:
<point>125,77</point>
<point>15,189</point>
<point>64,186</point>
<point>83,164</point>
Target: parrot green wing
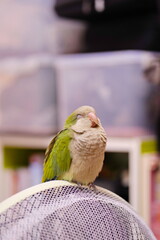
<point>57,157</point>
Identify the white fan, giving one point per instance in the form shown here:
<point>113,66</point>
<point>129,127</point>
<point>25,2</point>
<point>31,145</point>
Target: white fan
<point>62,210</point>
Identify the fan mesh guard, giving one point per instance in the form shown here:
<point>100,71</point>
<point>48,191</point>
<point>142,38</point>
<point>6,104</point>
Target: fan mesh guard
<point>71,212</point>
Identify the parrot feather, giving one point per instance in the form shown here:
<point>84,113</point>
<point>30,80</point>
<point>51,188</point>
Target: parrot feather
<point>58,149</point>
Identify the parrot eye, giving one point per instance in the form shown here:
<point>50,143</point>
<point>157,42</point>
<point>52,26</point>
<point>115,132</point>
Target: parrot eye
<point>79,116</point>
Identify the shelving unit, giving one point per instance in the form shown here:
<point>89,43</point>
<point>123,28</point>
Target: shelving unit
<point>28,142</point>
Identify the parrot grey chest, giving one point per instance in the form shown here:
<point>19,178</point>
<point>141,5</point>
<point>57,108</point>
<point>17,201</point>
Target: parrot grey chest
<point>89,144</point>
<point>87,152</point>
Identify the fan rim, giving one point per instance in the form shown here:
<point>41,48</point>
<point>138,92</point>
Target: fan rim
<point>20,196</point>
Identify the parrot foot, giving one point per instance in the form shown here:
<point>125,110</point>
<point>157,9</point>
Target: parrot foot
<point>78,183</point>
<point>92,187</point>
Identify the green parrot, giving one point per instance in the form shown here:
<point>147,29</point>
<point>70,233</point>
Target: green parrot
<point>76,153</point>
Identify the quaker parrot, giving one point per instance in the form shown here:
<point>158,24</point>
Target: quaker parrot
<point>76,153</point>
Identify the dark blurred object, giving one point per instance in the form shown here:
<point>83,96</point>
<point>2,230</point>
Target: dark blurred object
<point>116,24</point>
<point>122,185</point>
<point>152,73</point>
<point>104,9</point>
<point>156,115</point>
<point>136,32</point>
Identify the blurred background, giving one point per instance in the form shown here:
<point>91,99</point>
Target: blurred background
<point>58,55</point>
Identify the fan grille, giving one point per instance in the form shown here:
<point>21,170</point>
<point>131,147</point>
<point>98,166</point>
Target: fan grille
<point>71,212</point>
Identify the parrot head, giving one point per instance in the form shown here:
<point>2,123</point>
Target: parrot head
<point>82,118</point>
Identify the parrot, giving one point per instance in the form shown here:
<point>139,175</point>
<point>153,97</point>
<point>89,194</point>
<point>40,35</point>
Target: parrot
<point>76,153</point>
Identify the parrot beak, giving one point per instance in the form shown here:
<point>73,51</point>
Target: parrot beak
<point>93,118</point>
